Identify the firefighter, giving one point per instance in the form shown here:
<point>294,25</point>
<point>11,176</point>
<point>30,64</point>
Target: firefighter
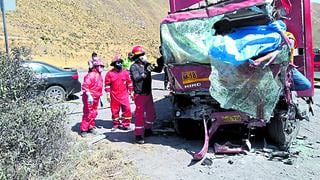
<point>140,72</point>
<point>92,90</point>
<point>118,86</point>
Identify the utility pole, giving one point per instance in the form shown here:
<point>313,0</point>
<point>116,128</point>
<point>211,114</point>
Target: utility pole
<point>5,27</point>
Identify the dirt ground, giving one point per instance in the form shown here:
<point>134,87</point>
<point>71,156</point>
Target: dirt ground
<point>168,156</point>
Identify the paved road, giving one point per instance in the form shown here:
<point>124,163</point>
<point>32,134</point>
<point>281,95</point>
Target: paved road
<point>168,156</point>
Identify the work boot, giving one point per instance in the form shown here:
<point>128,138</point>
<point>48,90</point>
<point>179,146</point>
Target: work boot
<point>84,134</point>
<point>126,128</point>
<point>94,131</point>
<point>148,132</point>
<point>139,140</point>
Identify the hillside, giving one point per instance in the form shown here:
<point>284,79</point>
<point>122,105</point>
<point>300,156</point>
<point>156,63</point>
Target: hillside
<point>67,32</point>
<point>316,24</point>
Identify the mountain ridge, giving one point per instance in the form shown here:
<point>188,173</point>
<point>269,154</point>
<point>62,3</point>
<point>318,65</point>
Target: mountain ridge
<point>65,33</point>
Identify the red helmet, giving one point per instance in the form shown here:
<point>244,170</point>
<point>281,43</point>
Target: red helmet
<point>137,50</point>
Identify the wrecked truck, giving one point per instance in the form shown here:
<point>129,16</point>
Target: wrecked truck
<point>231,62</point>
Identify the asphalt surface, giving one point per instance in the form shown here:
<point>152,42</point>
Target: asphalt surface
<point>168,156</point>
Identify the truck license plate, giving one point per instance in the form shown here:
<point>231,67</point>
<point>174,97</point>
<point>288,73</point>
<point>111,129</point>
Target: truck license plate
<point>192,77</point>
<point>231,118</point>
<point>189,77</point>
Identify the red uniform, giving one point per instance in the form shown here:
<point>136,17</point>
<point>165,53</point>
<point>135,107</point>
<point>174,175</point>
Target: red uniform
<point>119,85</point>
<point>144,105</point>
<point>142,98</point>
<point>93,84</point>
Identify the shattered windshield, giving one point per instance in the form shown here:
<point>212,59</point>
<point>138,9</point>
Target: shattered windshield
<point>230,45</point>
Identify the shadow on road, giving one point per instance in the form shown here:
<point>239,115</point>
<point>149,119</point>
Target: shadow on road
<point>72,97</point>
<point>120,136</point>
<point>100,123</point>
<point>163,109</point>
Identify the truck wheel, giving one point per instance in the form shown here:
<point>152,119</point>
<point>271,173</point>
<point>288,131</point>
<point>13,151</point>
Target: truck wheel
<point>284,128</point>
<point>179,126</point>
<point>188,128</point>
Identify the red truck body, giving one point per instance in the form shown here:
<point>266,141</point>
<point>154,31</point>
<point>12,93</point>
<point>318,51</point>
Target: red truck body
<point>201,92</point>
<point>298,22</point>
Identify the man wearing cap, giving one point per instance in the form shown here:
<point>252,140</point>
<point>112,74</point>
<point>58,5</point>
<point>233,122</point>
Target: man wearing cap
<point>118,86</point>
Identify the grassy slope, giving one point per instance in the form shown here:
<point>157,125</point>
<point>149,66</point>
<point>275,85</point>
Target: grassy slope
<point>67,32</point>
<point>316,24</point>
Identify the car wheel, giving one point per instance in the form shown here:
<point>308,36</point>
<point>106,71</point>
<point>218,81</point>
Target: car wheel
<point>56,93</point>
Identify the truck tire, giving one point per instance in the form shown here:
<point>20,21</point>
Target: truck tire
<point>188,128</point>
<point>181,126</point>
<point>284,128</point>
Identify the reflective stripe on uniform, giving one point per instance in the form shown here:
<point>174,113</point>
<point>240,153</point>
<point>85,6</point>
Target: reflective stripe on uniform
<point>115,119</point>
<point>126,117</point>
<point>139,127</point>
<point>148,122</point>
<point>107,88</point>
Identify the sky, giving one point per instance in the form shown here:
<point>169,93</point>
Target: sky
<point>317,1</point>
<point>10,5</point>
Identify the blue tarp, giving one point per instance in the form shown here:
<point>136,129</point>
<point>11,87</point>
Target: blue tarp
<point>247,42</point>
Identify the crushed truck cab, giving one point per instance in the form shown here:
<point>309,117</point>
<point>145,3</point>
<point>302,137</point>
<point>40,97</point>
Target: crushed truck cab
<point>231,62</point>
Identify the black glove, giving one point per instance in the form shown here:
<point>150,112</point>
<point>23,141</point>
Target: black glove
<point>150,67</point>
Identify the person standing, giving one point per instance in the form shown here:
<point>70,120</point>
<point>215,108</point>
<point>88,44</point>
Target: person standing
<point>300,82</point>
<point>94,57</point>
<point>140,72</point>
<point>92,90</point>
<point>128,61</point>
<point>160,62</point>
<point>118,86</point>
